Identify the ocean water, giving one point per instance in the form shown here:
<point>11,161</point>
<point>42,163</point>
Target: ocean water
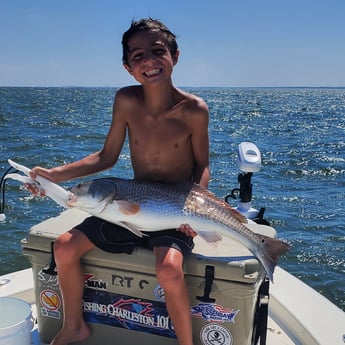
<point>299,131</point>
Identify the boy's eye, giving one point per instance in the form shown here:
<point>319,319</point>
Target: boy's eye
<point>159,51</point>
<point>137,57</point>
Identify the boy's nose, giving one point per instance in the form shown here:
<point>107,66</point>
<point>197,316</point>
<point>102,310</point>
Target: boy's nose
<point>149,57</point>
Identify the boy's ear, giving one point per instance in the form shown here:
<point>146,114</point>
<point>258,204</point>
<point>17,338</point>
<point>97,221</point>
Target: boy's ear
<point>175,57</point>
<point>128,68</point>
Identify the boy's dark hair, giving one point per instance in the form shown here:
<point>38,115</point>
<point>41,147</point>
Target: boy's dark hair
<point>150,25</point>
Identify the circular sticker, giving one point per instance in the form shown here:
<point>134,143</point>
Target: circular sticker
<point>215,334</point>
<point>159,293</point>
<point>50,299</point>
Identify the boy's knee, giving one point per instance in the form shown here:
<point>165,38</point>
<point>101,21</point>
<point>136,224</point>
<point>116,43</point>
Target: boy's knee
<point>71,246</point>
<point>64,249</point>
<point>168,274</point>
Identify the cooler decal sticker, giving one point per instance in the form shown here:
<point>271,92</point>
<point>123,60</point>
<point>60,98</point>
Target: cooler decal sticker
<point>47,280</point>
<point>159,293</point>
<point>127,312</point>
<point>215,334</point>
<point>50,304</point>
<point>92,283</point>
<point>214,312</point>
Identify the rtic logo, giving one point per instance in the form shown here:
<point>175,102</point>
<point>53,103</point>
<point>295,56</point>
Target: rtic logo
<point>128,282</point>
<point>98,284</point>
<point>214,313</point>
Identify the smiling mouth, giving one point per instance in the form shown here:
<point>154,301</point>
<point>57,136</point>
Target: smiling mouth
<point>152,72</point>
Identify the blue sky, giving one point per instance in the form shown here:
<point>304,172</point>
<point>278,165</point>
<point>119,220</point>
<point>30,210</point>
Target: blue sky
<point>223,42</point>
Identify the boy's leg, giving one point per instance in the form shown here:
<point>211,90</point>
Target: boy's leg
<point>68,249</point>
<point>170,275</point>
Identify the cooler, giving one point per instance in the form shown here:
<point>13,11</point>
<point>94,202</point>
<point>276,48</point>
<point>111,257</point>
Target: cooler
<point>124,304</point>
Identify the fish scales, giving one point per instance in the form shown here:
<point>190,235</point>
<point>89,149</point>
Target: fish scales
<point>153,197</point>
<point>202,203</point>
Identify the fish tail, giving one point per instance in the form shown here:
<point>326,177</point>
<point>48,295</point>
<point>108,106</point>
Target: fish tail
<point>272,249</point>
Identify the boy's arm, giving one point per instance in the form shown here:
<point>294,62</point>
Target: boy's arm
<point>200,145</point>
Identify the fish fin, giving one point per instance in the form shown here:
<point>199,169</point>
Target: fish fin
<point>211,237</point>
<point>19,167</point>
<point>201,191</point>
<point>20,178</point>
<point>128,207</point>
<point>272,249</point>
<point>132,228</point>
<point>239,216</point>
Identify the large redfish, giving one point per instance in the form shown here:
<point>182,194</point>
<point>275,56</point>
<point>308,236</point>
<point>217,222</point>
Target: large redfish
<point>140,206</point>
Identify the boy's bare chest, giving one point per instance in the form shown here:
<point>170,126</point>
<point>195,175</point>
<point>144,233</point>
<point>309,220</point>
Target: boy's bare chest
<point>159,127</point>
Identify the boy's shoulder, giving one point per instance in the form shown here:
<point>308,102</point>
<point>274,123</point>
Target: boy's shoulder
<point>130,91</point>
<point>194,102</point>
<point>129,96</point>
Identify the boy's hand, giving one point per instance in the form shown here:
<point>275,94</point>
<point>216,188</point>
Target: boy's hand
<point>33,187</point>
<point>187,230</point>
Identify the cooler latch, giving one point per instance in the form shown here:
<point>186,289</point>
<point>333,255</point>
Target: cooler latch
<point>51,269</point>
<point>209,277</point>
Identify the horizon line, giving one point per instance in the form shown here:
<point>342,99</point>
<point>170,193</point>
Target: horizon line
<point>181,86</point>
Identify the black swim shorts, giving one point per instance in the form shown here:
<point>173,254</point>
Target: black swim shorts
<point>113,238</point>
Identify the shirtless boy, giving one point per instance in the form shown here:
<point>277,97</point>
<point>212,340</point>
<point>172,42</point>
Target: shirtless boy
<point>168,137</point>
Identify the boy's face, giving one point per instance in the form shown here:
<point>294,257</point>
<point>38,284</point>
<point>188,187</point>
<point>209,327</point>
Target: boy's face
<point>149,59</point>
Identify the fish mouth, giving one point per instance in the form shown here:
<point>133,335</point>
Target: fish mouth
<point>152,72</point>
